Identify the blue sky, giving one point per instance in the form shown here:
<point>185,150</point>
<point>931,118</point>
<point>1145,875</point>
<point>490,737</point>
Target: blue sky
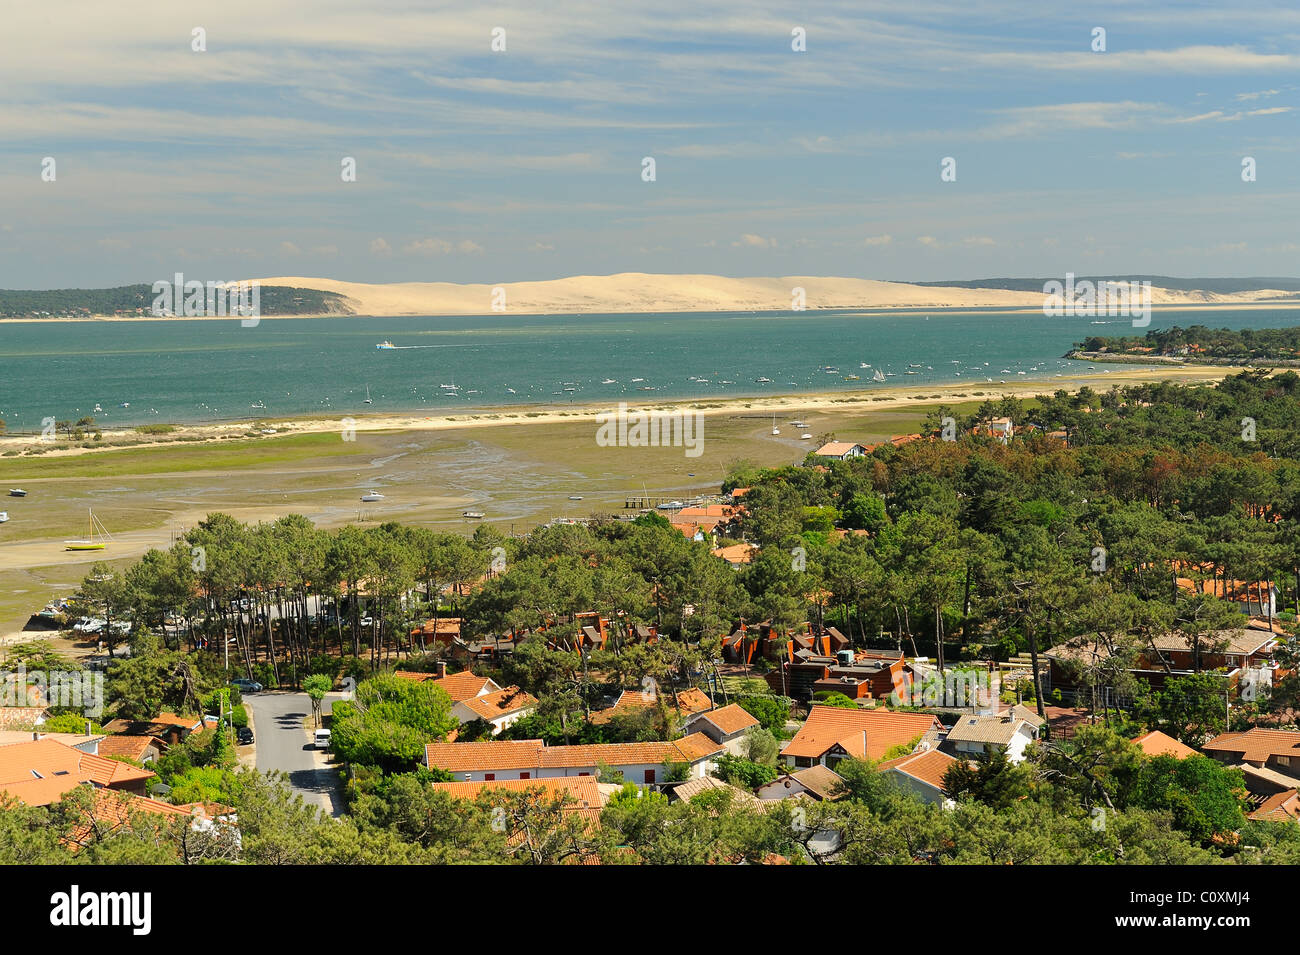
<point>474,166</point>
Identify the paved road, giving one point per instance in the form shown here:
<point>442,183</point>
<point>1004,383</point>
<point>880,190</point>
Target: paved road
<point>283,743</point>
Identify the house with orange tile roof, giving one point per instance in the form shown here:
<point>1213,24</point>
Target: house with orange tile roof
<point>641,763</point>
<point>40,772</point>
<point>737,555</point>
<point>727,726</point>
<point>1278,750</point>
<point>500,708</point>
<point>841,450</point>
<point>1157,743</point>
<point>459,686</point>
<point>831,734</point>
<point>921,774</point>
<point>1279,807</point>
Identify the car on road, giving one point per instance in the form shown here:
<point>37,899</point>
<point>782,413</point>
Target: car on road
<point>244,735</point>
<point>246,686</point>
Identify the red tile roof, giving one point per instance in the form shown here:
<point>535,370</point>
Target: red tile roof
<point>730,719</point>
<point>928,766</point>
<point>491,706</point>
<point>865,734</point>
<point>1256,745</point>
<point>41,771</point>
<point>1157,743</point>
<point>494,755</point>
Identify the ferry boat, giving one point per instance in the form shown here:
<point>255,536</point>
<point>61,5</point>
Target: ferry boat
<point>385,345</point>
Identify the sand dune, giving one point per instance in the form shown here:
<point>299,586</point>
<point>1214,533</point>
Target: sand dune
<point>643,292</point>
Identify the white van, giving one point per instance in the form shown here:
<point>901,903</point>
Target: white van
<point>322,739</point>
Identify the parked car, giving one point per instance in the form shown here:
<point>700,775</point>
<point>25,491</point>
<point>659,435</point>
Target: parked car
<point>244,735</point>
<point>246,686</point>
<point>322,739</point>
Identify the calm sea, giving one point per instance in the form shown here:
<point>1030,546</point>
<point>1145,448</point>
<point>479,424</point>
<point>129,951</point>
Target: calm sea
<point>194,371</point>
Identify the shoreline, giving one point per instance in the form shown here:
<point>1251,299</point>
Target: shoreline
<point>888,398</point>
<point>991,308</point>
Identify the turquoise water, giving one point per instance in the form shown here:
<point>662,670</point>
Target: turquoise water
<point>194,371</point>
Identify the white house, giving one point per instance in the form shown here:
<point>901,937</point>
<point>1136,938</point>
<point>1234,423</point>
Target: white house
<point>500,708</point>
<point>726,725</point>
<point>841,450</point>
<point>1010,732</point>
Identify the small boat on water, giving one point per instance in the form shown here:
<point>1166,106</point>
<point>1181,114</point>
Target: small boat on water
<point>371,497</point>
<point>385,345</point>
<point>17,492</point>
<point>851,378</point>
<point>609,381</point>
<point>473,515</point>
<point>575,497</point>
<point>98,409</point>
<point>368,401</point>
<point>89,542</point>
<point>259,406</point>
<point>763,381</point>
<point>878,376</point>
<point>863,364</point>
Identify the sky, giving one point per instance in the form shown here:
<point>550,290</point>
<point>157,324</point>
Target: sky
<point>475,165</point>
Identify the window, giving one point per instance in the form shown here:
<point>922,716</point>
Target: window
<point>525,775</point>
<point>1284,760</point>
<point>488,777</point>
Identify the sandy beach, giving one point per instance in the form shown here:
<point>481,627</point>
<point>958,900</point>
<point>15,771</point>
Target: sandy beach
<point>640,292</point>
<point>891,397</point>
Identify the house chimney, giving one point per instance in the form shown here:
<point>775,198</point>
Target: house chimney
<point>88,727</point>
<point>442,669</point>
<point>35,735</point>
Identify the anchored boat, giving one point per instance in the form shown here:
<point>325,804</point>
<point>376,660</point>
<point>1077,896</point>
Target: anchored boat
<point>90,542</point>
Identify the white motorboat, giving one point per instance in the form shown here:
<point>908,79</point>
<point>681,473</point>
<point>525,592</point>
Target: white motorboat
<point>371,497</point>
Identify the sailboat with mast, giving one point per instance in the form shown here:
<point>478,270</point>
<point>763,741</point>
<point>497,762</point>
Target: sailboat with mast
<point>91,542</point>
